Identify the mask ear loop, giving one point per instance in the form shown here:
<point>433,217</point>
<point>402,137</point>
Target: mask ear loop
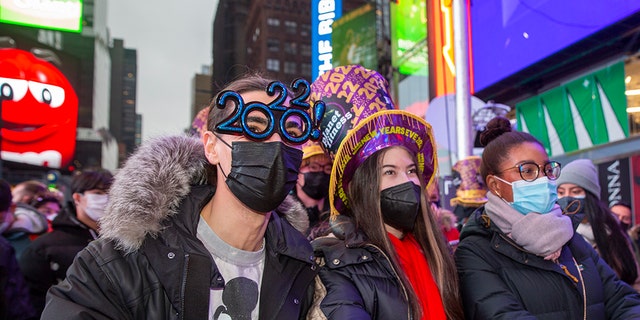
<point>220,138</point>
<point>228,145</point>
<point>566,212</point>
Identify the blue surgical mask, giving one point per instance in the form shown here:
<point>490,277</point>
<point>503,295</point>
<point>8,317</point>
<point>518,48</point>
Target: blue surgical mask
<point>536,196</point>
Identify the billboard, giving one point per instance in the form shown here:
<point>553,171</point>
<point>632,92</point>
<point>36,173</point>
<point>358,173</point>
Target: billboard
<point>354,38</point>
<point>635,182</point>
<point>615,181</point>
<point>49,14</point>
<point>409,37</point>
<point>508,36</point>
<point>585,112</point>
<point>323,14</point>
<point>46,80</point>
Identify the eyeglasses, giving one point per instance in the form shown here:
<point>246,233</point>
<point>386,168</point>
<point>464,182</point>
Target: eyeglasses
<point>529,171</point>
<point>316,167</point>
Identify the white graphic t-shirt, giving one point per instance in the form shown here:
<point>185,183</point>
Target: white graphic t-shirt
<point>242,272</point>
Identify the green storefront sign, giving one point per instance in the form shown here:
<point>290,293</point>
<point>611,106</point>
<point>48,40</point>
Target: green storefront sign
<point>585,112</point>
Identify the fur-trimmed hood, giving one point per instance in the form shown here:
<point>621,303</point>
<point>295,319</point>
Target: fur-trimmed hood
<point>150,186</point>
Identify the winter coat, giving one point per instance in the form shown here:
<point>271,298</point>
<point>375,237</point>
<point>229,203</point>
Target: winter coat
<point>45,261</point>
<point>14,293</point>
<point>28,221</point>
<point>500,280</point>
<point>149,263</point>
<point>356,281</point>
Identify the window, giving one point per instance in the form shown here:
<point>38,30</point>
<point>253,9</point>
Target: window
<point>273,65</point>
<point>305,30</point>
<point>305,50</point>
<point>273,45</point>
<point>273,22</point>
<point>291,26</point>
<point>289,67</point>
<point>291,47</point>
<point>306,68</point>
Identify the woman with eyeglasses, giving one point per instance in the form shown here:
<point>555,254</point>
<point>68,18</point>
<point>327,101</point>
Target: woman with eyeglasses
<point>518,256</point>
<point>579,192</point>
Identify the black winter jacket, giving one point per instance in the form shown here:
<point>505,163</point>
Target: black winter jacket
<point>45,261</point>
<point>149,264</point>
<point>500,280</point>
<point>357,281</point>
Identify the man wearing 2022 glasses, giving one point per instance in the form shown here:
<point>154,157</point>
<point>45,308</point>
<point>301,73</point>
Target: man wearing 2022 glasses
<point>191,232</point>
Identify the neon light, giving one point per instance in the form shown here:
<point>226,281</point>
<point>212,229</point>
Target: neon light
<point>447,49</point>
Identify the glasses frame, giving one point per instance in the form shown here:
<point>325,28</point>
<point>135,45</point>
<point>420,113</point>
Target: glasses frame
<point>552,164</point>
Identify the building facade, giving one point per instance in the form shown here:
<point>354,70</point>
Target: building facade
<point>123,117</point>
<point>272,37</point>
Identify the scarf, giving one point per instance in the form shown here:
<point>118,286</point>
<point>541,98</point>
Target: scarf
<point>415,267</point>
<point>541,234</point>
<point>586,231</point>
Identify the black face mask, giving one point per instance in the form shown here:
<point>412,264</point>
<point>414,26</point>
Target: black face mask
<point>625,226</point>
<point>262,173</point>
<point>316,185</point>
<point>400,205</point>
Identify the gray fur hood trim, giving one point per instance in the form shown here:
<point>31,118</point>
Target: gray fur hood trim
<point>149,188</point>
<point>294,211</point>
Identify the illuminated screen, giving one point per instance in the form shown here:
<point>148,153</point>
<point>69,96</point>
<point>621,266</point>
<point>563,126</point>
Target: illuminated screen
<point>354,38</point>
<point>323,14</point>
<point>49,14</point>
<point>409,36</point>
<point>508,36</point>
<point>47,82</point>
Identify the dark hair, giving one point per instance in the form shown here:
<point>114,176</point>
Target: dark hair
<point>32,189</point>
<point>5,195</point>
<point>40,201</point>
<point>611,241</point>
<point>498,139</point>
<point>251,81</point>
<point>90,179</point>
<point>622,203</point>
<point>364,197</point>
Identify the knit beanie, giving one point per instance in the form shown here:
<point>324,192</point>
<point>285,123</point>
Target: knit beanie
<point>583,173</point>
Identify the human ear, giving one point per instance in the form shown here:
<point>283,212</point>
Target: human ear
<point>209,140</point>
<point>492,184</point>
<point>76,198</point>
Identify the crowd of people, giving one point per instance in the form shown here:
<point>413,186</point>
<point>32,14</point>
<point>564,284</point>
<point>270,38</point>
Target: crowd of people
<point>327,208</point>
<point>45,230</point>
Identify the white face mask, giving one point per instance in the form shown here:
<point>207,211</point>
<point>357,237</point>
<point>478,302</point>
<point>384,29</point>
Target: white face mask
<point>95,205</point>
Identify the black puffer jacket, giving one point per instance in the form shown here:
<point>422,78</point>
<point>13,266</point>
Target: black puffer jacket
<point>499,280</point>
<point>45,261</point>
<point>356,281</point>
<point>149,264</point>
